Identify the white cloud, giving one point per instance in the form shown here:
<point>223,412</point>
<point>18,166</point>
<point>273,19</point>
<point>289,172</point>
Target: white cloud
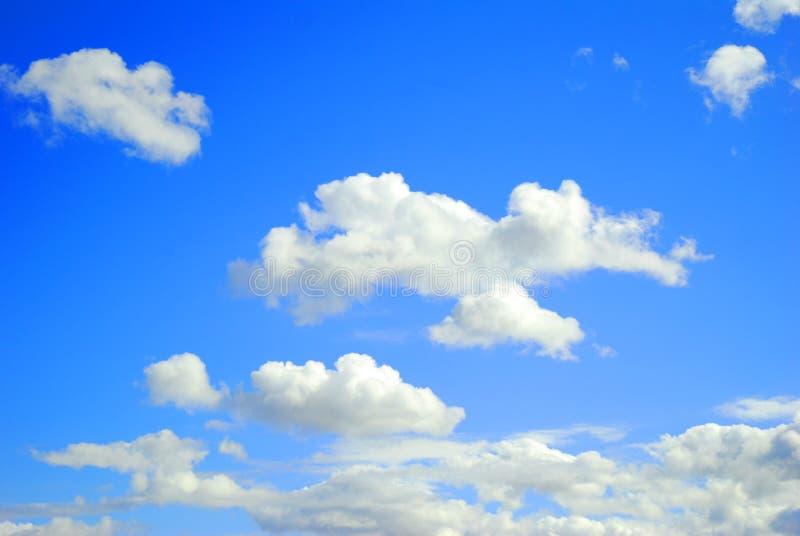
<point>485,320</point>
<point>218,425</point>
<point>93,91</point>
<point>161,466</point>
<point>603,350</point>
<point>232,448</point>
<point>60,526</point>
<point>760,409</point>
<point>147,453</point>
<point>358,397</point>
<point>375,235</point>
<point>712,479</point>
<point>796,83</point>
<point>686,250</point>
<point>731,74</point>
<point>182,380</point>
<point>764,15</point>
<point>620,63</point>
<point>584,52</point>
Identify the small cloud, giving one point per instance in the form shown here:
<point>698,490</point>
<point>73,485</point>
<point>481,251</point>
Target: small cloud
<point>796,83</point>
<point>584,52</point>
<point>232,448</point>
<point>183,381</point>
<point>686,250</point>
<point>31,119</point>
<point>731,74</point>
<point>603,350</point>
<point>620,63</point>
<point>218,425</point>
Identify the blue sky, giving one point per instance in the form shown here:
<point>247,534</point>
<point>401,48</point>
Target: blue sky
<point>113,261</point>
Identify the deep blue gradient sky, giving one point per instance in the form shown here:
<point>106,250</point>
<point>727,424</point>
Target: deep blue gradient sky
<point>110,263</point>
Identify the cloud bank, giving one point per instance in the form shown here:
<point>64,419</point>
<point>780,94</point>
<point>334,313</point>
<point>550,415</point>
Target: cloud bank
<point>736,480</point>
<point>711,479</point>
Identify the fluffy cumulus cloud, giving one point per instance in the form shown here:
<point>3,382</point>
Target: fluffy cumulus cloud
<point>764,15</point>
<point>182,380</point>
<point>731,74</point>
<point>711,479</point>
<point>371,235</point>
<point>357,397</point>
<point>93,91</point>
<point>484,320</point>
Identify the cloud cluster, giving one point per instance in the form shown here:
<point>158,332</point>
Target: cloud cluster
<point>731,74</point>
<point>764,15</point>
<point>369,233</point>
<point>711,479</point>
<point>93,91</point>
<point>357,397</point>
